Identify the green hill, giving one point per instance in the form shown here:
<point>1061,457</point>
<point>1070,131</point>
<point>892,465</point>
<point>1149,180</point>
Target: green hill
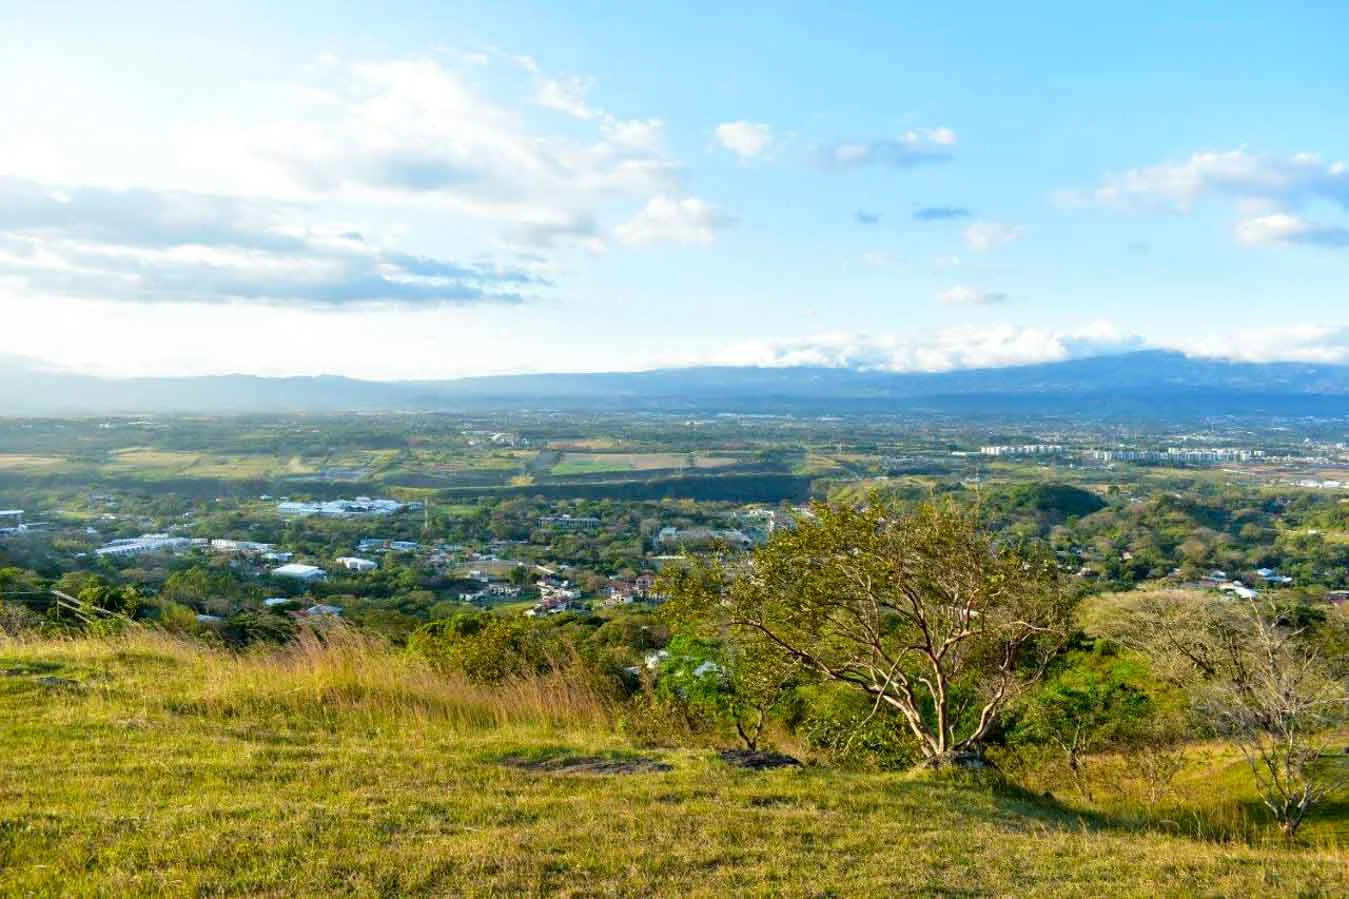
<point>148,766</point>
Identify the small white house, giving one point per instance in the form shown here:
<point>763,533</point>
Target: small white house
<point>307,573</point>
<point>355,563</point>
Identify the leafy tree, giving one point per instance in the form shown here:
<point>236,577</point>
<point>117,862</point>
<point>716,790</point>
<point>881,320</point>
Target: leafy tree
<point>922,611</point>
<point>738,683</point>
<point>1094,701</point>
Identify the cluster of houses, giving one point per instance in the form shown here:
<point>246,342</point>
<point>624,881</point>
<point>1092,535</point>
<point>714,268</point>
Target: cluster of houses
<point>557,591</point>
<point>639,589</point>
<point>1220,581</point>
<point>556,594</point>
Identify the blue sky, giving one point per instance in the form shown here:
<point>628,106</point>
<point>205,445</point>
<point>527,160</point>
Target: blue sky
<point>428,190</point>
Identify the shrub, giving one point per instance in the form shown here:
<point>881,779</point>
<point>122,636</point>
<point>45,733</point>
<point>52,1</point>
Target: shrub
<point>484,648</point>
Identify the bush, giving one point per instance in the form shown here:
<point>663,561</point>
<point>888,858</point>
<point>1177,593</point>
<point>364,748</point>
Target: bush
<point>245,628</point>
<point>666,719</point>
<point>16,619</point>
<point>485,648</point>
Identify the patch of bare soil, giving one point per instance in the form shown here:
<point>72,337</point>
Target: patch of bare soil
<point>582,764</point>
<point>758,761</point>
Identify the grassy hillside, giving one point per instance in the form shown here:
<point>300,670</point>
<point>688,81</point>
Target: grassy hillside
<point>142,765</point>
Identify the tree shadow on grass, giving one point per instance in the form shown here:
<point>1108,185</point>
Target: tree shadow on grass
<point>1240,822</point>
<point>1243,822</point>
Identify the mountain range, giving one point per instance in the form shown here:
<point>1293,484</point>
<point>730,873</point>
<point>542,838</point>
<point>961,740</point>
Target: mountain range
<point>1143,384</point>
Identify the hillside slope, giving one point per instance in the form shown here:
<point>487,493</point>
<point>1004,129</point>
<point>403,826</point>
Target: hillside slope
<point>146,766</point>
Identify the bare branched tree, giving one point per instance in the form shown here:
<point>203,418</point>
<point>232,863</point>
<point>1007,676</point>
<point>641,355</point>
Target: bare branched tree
<point>1271,679</point>
<point>1283,715</point>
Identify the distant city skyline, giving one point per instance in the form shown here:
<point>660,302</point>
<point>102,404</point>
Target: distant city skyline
<point>398,192</point>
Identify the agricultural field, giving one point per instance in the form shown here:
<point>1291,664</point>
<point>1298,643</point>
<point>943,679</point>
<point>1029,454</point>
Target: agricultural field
<point>25,462</point>
<point>595,463</point>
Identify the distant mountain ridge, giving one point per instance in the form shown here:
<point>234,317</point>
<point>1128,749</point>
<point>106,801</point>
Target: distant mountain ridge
<point>1156,382</point>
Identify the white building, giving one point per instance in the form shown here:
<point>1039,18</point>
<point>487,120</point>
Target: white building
<point>342,508</point>
<point>11,521</point>
<point>354,563</point>
<point>145,543</point>
<point>240,546</point>
<point>306,573</point>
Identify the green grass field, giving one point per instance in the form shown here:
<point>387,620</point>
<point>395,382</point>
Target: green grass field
<point>596,463</point>
<point>148,766</point>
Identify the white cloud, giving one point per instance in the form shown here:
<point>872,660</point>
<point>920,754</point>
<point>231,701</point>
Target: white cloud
<point>746,139</point>
<point>960,295</point>
<point>993,346</point>
<point>640,135</point>
<point>1289,182</point>
<point>162,246</point>
<point>1281,227</point>
<point>1268,192</point>
<point>910,149</point>
<point>414,132</point>
<point>567,95</point>
<point>984,236</point>
<point>667,219</point>
<point>938,350</point>
<point>1289,343</point>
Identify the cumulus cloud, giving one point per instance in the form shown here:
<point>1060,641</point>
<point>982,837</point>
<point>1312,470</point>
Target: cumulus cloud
<point>938,350</point>
<point>178,246</point>
<point>1269,192</point>
<point>908,150</point>
<point>984,236</point>
<point>941,213</point>
<point>862,217</point>
<point>960,295</point>
<point>667,219</point>
<point>748,140</point>
<point>414,131</point>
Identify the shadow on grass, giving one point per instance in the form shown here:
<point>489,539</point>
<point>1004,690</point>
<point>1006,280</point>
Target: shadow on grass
<point>1237,822</point>
<point>27,667</point>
